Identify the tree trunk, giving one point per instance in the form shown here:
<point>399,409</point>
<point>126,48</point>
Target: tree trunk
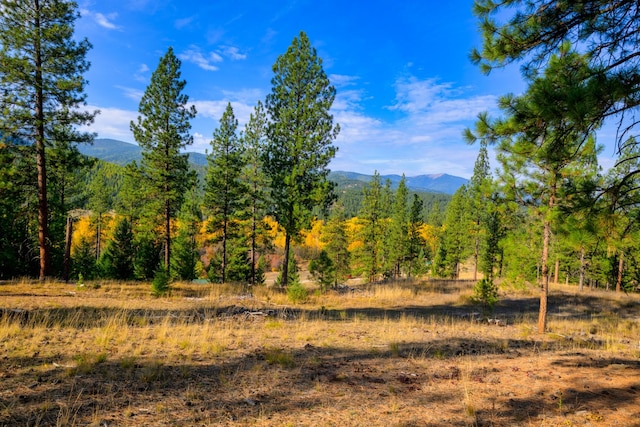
<point>556,273</point>
<point>224,249</point>
<point>43,208</point>
<point>285,261</point>
<point>167,237</point>
<point>582,263</point>
<point>475,256</point>
<point>67,249</point>
<point>253,242</point>
<point>620,270</point>
<point>544,289</point>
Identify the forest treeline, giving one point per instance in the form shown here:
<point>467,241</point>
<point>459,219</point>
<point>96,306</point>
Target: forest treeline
<point>548,212</point>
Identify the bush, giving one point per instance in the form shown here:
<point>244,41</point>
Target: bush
<point>297,293</point>
<point>160,283</point>
<point>485,293</point>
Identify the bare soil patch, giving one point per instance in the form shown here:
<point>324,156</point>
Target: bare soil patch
<point>403,354</point>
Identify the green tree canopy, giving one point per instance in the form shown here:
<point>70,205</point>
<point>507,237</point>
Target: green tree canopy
<point>162,130</point>
<point>299,138</point>
<point>41,87</point>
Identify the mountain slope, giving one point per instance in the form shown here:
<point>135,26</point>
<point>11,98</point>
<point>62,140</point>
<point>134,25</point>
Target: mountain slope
<point>119,152</point>
<point>440,183</point>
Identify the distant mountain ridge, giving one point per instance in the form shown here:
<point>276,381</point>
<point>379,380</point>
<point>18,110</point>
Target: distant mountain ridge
<point>120,152</point>
<point>438,183</point>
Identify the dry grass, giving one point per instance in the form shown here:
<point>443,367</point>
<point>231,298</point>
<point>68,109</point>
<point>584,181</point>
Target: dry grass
<point>404,354</point>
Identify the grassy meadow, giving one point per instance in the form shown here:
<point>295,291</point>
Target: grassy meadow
<point>397,354</point>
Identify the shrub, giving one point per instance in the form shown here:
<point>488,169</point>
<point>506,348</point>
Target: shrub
<point>297,293</point>
<point>160,283</point>
<point>485,293</point>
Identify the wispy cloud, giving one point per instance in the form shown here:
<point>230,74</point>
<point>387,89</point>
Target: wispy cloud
<point>195,56</point>
<point>141,74</point>
<point>103,20</point>
<point>131,93</point>
<point>111,123</point>
<point>341,80</point>
<point>432,118</point>
<point>232,53</point>
<point>184,22</point>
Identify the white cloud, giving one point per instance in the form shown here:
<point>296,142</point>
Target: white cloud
<point>140,75</point>
<point>184,22</point>
<point>341,80</point>
<point>194,55</point>
<point>214,110</point>
<point>111,123</point>
<point>233,53</point>
<point>131,93</point>
<point>200,144</point>
<point>424,137</point>
<point>105,21</point>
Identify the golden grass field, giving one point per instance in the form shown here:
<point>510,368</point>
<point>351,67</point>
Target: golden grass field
<point>403,354</point>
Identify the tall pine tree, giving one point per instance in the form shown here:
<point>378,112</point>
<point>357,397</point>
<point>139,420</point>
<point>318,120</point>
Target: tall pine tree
<point>225,193</point>
<point>162,130</point>
<point>41,86</point>
<point>300,136</point>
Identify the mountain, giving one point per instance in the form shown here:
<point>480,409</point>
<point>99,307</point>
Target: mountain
<point>439,183</point>
<point>119,152</point>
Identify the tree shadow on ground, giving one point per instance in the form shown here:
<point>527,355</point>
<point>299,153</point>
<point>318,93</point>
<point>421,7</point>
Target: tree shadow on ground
<point>267,383</point>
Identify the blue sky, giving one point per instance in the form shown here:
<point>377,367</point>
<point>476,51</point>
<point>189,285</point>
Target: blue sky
<point>406,88</point>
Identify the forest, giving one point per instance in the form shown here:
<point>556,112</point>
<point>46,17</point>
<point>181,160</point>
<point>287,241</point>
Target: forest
<point>263,202</point>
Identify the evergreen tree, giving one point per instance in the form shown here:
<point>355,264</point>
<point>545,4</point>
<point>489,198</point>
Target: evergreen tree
<point>84,260</point>
<point>299,139</point>
<point>162,130</point>
<point>479,189</point>
<point>225,192</point>
<point>186,255</point>
<point>416,244</point>
<point>100,202</point>
<point>323,270</point>
<point>337,244</point>
<point>454,242</point>
<point>257,185</point>
<point>41,87</point>
<point>372,217</point>
<point>534,31</point>
<point>546,131</point>
<point>17,207</point>
<point>398,237</point>
<point>117,261</point>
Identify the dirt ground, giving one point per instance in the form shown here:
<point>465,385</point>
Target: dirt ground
<point>406,356</point>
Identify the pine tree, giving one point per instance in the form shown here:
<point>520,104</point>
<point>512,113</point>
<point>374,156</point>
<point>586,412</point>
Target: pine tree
<point>534,31</point>
<point>454,239</point>
<point>479,189</point>
<point>372,216</point>
<point>398,237</point>
<point>225,193</point>
<point>257,185</point>
<point>186,256</point>
<point>337,244</point>
<point>162,130</point>
<point>416,244</point>
<point>545,133</point>
<point>41,86</point>
<point>117,261</point>
<point>299,138</point>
